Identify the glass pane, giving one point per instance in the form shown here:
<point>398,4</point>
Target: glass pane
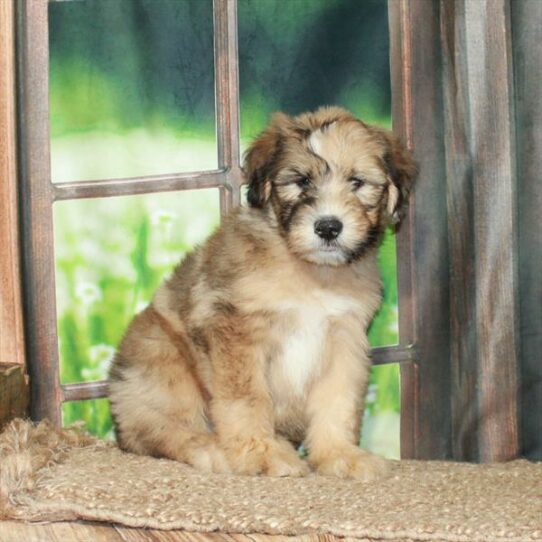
<point>384,329</point>
<point>313,53</point>
<point>131,88</point>
<point>96,414</point>
<point>320,52</point>
<point>380,431</point>
<point>110,255</point>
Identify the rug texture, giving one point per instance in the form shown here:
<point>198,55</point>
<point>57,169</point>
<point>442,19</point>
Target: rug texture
<point>51,474</point>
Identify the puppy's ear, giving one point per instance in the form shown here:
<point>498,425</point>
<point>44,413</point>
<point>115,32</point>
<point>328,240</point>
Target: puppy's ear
<point>260,159</point>
<point>402,171</point>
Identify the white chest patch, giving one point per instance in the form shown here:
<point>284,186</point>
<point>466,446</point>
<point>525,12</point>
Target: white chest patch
<point>303,349</point>
<point>304,343</point>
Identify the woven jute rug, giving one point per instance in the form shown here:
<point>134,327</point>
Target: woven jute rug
<point>51,474</point>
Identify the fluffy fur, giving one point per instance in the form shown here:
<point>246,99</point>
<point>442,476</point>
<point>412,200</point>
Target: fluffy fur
<point>257,342</point>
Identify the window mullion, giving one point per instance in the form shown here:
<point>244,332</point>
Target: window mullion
<point>37,213</point>
<point>227,99</point>
<point>140,185</point>
<point>81,391</point>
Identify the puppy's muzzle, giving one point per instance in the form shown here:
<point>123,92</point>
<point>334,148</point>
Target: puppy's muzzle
<point>328,228</point>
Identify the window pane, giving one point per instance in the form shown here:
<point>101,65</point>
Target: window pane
<point>131,88</point>
<point>384,329</point>
<point>313,53</point>
<point>380,431</point>
<point>111,254</point>
<point>96,414</point>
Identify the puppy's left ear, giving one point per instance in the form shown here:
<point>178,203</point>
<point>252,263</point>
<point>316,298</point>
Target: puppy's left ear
<point>260,159</point>
<point>402,172</point>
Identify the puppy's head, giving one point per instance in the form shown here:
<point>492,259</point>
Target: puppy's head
<point>331,183</point>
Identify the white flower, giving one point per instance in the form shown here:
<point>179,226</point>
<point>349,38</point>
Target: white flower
<point>100,356</point>
<point>89,375</point>
<point>163,220</point>
<point>372,393</point>
<point>100,353</point>
<point>88,293</point>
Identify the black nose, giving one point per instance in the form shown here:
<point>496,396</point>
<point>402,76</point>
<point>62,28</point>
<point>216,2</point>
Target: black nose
<point>328,228</point>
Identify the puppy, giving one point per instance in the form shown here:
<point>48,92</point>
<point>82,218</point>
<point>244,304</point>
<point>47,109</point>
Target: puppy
<point>257,342</point>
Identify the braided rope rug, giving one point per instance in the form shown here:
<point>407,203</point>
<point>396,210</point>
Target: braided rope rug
<point>51,474</point>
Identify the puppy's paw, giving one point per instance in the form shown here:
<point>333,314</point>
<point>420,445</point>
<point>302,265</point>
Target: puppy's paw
<point>208,457</point>
<point>269,456</point>
<point>351,462</point>
<point>210,460</point>
<point>284,461</point>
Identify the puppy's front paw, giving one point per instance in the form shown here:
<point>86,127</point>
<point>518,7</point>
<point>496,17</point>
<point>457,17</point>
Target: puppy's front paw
<point>203,453</point>
<point>351,462</point>
<point>210,459</point>
<point>284,461</point>
<point>270,457</point>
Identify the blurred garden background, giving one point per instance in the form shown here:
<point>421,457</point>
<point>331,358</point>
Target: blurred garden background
<point>132,93</point>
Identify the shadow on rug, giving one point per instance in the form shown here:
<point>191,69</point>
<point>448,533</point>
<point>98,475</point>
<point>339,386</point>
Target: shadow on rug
<point>52,474</point>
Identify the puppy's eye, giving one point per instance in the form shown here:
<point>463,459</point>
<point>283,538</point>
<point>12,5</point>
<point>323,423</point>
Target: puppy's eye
<point>303,182</point>
<point>357,182</point>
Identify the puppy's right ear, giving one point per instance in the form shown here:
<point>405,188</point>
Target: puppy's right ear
<point>260,159</point>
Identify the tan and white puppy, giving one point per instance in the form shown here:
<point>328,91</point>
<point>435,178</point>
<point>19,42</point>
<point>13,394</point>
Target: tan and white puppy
<point>257,342</point>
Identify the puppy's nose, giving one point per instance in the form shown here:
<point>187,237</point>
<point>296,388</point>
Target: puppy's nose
<point>328,228</point>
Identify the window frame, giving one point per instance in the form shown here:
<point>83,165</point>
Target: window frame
<point>426,315</point>
<point>11,325</point>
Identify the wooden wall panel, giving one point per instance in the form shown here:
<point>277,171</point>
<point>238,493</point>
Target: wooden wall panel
<point>459,186</point>
<point>492,146</point>
<point>527,54</point>
<point>11,329</point>
<point>453,103</point>
<point>481,185</point>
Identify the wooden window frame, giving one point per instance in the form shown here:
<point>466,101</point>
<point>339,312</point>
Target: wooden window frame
<point>11,336</point>
<point>434,304</point>
<point>13,382</point>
